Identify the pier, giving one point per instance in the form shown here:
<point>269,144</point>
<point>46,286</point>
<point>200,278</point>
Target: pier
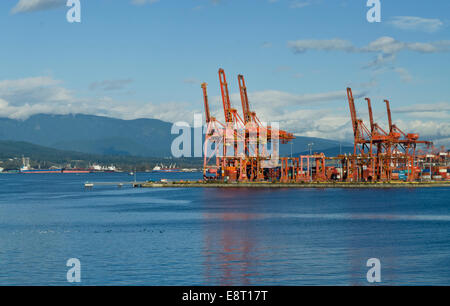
<point>201,184</point>
<point>90,185</point>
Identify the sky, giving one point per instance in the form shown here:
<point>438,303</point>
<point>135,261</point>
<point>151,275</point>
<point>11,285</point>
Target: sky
<point>147,58</point>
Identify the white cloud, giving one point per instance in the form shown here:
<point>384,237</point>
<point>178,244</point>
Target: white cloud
<point>430,129</point>
<point>385,49</point>
<point>424,108</point>
<point>22,98</point>
<point>404,74</point>
<point>298,113</point>
<point>381,60</point>
<point>36,5</point>
<point>266,45</point>
<point>192,81</point>
<point>384,45</point>
<point>300,4</point>
<point>274,100</point>
<point>322,115</point>
<point>33,90</point>
<point>142,2</point>
<point>109,85</point>
<point>279,98</point>
<point>169,111</point>
<point>389,45</point>
<point>300,46</point>
<point>416,23</point>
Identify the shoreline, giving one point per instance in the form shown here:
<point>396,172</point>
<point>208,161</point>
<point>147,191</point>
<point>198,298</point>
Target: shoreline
<point>291,185</point>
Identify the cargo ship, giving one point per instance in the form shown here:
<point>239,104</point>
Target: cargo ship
<point>40,171</point>
<point>162,168</point>
<point>76,171</point>
<point>26,168</point>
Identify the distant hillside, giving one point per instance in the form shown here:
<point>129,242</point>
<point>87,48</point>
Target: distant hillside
<point>334,151</point>
<point>11,149</point>
<point>49,156</point>
<point>113,137</point>
<point>300,144</point>
<point>92,134</point>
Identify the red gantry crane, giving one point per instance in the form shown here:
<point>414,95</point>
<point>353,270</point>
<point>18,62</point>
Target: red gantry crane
<point>403,147</point>
<point>214,140</point>
<point>256,133</point>
<point>234,135</point>
<point>378,152</point>
<point>378,138</point>
<point>239,133</point>
<point>361,133</point>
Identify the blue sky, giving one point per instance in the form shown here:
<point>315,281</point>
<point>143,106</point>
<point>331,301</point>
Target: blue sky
<point>133,59</point>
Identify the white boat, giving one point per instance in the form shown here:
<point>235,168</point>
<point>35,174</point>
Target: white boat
<point>162,168</point>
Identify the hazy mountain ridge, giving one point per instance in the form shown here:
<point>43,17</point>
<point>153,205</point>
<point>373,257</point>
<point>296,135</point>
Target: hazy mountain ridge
<point>92,134</point>
<point>46,157</point>
<point>115,137</point>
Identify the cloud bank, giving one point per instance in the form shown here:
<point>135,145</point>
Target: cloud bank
<point>413,23</point>
<point>323,115</point>
<point>24,6</point>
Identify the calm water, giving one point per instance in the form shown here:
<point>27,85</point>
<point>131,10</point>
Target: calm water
<point>218,237</point>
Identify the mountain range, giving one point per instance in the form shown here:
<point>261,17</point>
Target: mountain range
<point>116,137</point>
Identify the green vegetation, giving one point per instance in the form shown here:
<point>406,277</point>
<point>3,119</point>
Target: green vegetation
<point>12,151</point>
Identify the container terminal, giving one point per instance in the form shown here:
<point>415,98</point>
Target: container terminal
<point>236,153</point>
<point>240,152</point>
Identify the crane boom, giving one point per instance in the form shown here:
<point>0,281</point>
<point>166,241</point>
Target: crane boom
<point>225,96</point>
<point>244,99</point>
<point>205,98</point>
<point>388,108</point>
<point>351,102</point>
<point>369,105</point>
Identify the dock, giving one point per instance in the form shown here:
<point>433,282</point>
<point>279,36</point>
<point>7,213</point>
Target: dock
<point>200,184</point>
<point>205,184</point>
<point>90,185</point>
